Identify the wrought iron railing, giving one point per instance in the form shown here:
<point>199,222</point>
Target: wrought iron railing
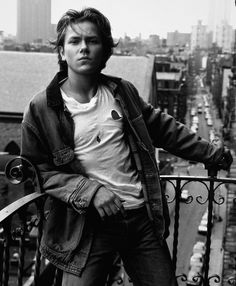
<point>21,228</point>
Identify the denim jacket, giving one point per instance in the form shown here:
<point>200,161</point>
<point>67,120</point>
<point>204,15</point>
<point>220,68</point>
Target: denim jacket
<point>47,141</point>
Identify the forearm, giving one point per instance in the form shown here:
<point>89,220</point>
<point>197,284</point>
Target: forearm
<point>176,138</point>
<point>73,189</point>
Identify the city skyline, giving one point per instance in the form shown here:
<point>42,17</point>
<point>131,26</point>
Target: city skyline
<point>131,17</point>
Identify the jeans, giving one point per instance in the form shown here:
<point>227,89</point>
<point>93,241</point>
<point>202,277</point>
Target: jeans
<point>146,260</point>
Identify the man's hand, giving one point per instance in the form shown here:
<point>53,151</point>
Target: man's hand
<point>107,203</point>
<point>226,158</point>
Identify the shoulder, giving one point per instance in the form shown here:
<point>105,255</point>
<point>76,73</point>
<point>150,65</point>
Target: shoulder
<point>121,83</point>
<point>36,104</point>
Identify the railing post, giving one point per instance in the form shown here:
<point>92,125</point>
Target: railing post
<point>6,252</point>
<point>22,216</point>
<point>176,224</point>
<point>212,173</point>
<point>40,210</point>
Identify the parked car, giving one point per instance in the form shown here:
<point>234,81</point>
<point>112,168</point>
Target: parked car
<point>195,119</point>
<point>199,247</point>
<point>199,108</point>
<point>193,111</point>
<point>192,277</point>
<point>196,264</point>
<point>184,195</point>
<point>209,122</point>
<point>211,134</point>
<point>202,228</point>
<point>197,259</point>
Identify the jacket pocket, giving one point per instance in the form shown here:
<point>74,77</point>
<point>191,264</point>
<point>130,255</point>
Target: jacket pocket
<point>63,156</point>
<point>63,228</point>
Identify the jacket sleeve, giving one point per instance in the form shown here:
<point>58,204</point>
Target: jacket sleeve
<point>175,137</point>
<point>58,181</point>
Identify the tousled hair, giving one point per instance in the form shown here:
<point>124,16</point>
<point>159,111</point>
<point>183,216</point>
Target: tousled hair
<point>87,14</point>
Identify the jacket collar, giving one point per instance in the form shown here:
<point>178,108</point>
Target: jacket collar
<point>54,97</point>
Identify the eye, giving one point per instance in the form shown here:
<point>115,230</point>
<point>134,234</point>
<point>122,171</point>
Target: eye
<point>74,41</point>
<point>93,41</point>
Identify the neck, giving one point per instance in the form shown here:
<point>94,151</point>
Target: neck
<point>81,88</point>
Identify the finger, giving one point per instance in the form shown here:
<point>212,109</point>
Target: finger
<point>118,202</point>
<point>120,206</point>
<point>114,208</point>
<point>101,213</point>
<point>108,211</point>
<point>123,212</point>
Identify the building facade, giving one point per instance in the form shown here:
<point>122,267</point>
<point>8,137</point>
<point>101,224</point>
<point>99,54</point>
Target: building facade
<point>178,39</point>
<point>225,37</point>
<point>219,11</point>
<point>200,37</point>
<point>171,87</point>
<point>33,21</point>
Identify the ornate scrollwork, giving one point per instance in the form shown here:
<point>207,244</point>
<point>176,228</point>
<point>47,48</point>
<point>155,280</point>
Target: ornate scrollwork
<point>197,278</point>
<point>167,196</point>
<point>215,277</point>
<point>182,276</point>
<point>199,199</point>
<point>189,200</point>
<point>232,280</point>
<point>19,169</point>
<point>221,199</point>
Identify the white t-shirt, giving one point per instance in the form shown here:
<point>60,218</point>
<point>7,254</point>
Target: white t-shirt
<point>101,148</point>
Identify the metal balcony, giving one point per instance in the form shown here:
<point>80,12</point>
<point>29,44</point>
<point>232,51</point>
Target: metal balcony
<point>21,228</point>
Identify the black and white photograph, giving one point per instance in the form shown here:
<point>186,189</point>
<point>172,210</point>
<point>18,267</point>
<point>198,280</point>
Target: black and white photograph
<point>117,143</point>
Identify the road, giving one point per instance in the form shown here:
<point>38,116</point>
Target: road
<point>191,214</point>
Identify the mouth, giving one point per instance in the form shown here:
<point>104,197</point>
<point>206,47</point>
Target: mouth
<point>84,59</point>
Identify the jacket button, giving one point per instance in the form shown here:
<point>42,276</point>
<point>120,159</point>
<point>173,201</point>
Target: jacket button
<point>82,204</point>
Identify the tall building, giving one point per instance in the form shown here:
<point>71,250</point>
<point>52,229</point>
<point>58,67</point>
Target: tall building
<point>225,36</point>
<point>33,21</point>
<point>199,36</point>
<point>219,11</point>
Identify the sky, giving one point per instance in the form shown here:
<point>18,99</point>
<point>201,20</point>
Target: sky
<point>130,17</point>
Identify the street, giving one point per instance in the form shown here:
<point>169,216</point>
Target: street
<point>191,214</point>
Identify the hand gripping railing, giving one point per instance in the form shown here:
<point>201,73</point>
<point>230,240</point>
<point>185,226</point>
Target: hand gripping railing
<point>211,183</point>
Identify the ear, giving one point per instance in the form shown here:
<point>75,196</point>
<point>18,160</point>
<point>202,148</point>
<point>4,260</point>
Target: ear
<point>61,51</point>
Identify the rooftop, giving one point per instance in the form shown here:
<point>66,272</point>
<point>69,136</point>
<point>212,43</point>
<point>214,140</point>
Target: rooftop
<point>24,74</point>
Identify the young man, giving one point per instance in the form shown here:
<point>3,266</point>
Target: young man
<point>93,138</point>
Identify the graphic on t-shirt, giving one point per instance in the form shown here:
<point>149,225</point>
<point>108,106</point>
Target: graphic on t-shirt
<point>115,115</point>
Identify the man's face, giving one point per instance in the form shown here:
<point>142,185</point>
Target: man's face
<point>83,49</point>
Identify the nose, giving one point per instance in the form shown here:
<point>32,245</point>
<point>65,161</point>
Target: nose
<point>83,46</point>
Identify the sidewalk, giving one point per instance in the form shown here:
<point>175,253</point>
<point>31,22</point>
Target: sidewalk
<point>217,237</point>
<point>223,242</point>
<point>229,259</point>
